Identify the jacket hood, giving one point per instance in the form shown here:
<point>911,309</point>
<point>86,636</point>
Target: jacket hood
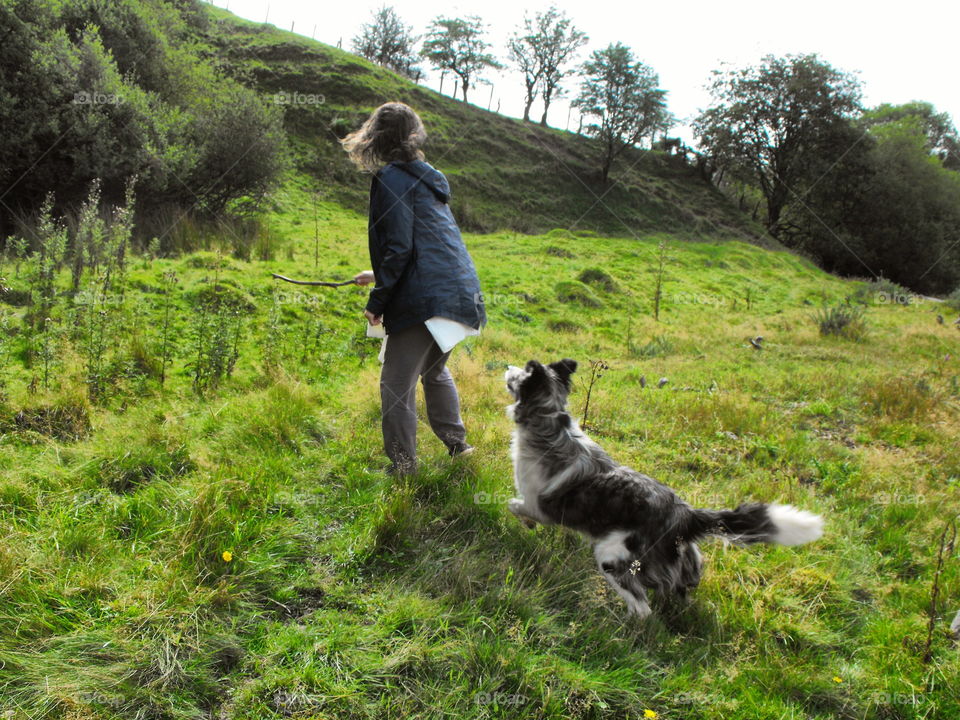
<point>429,176</point>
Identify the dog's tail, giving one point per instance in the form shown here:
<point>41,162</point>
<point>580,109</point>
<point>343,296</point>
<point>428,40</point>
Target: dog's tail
<point>758,522</point>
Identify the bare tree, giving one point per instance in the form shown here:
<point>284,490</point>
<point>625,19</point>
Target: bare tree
<point>387,41</point>
<point>457,45</point>
<point>545,44</point>
<point>522,51</point>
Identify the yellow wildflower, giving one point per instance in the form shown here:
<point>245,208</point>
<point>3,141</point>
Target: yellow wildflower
<point>227,556</point>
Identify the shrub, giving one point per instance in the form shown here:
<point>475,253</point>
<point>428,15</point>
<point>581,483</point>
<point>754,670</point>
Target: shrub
<point>883,292</point>
<point>953,300</point>
<point>576,291</point>
<point>659,346</point>
<point>842,320</point>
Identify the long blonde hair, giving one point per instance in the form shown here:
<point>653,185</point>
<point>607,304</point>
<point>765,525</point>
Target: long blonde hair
<point>393,131</point>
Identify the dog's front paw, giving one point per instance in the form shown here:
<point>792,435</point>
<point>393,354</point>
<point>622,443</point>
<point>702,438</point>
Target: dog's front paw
<point>517,508</point>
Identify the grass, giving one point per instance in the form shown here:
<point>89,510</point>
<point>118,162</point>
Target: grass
<point>351,595</point>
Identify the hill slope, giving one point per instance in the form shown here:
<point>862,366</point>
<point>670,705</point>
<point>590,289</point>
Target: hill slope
<point>505,174</point>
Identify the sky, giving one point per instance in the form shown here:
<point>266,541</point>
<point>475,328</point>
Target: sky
<point>899,51</point>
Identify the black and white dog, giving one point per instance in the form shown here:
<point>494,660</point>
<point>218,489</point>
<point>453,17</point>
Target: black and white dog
<point>645,535</point>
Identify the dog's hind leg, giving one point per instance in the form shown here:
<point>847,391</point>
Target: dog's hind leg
<point>616,563</point>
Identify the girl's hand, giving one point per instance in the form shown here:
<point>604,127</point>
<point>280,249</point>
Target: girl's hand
<point>364,278</point>
<point>371,318</point>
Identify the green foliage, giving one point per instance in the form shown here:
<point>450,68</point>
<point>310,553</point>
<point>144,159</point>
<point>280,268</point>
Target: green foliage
<point>882,291</point>
<point>777,123</point>
<point>842,320</point>
<point>121,89</point>
<point>547,43</point>
<point>457,45</point>
<point>621,93</point>
<point>388,41</point>
<point>953,301</point>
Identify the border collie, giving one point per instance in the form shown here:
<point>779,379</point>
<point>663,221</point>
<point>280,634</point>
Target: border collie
<point>644,534</point>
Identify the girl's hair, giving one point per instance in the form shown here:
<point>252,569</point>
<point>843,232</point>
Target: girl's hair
<point>393,132</point>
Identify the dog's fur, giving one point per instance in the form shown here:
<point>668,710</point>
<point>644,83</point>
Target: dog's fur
<point>644,534</point>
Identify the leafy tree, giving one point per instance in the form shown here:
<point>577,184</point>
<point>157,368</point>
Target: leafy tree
<point>105,91</point>
<point>457,45</point>
<point>777,122</point>
<point>942,138</point>
<point>548,42</point>
<point>387,41</point>
<point>622,94</point>
<point>889,207</point>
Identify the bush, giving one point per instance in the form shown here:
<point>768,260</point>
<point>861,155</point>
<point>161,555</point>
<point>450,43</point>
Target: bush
<point>883,292</point>
<point>953,300</point>
<point>659,346</point>
<point>843,320</point>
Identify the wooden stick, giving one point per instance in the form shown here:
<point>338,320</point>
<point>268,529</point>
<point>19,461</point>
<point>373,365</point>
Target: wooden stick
<point>321,283</point>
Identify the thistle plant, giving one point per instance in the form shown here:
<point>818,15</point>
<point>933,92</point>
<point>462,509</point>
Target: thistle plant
<point>166,341</point>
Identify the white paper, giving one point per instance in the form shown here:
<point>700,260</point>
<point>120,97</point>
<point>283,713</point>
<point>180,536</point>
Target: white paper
<point>448,332</point>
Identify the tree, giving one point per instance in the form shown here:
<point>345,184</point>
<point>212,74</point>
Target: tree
<point>387,41</point>
<point>942,139</point>
<point>777,122</point>
<point>547,44</point>
<point>622,94</point>
<point>559,41</point>
<point>887,207</point>
<point>457,45</point>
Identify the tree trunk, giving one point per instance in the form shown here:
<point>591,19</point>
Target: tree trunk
<point>543,118</point>
<point>466,85</point>
<point>526,109</point>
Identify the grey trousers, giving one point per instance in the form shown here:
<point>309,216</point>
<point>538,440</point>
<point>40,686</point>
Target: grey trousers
<point>413,353</point>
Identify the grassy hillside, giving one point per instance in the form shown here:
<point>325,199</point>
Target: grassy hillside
<point>348,594</point>
<point>506,174</point>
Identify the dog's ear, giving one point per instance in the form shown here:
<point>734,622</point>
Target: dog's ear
<point>534,381</point>
<point>564,369</point>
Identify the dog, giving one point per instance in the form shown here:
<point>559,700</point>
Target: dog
<point>645,536</point>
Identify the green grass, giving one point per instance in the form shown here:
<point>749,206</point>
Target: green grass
<point>352,595</point>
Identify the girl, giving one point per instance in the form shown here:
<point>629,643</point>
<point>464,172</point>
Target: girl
<point>426,292</point>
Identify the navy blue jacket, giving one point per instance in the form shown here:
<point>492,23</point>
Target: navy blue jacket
<point>418,257</point>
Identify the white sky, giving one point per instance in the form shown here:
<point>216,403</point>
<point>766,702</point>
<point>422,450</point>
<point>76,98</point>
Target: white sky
<point>900,51</point>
